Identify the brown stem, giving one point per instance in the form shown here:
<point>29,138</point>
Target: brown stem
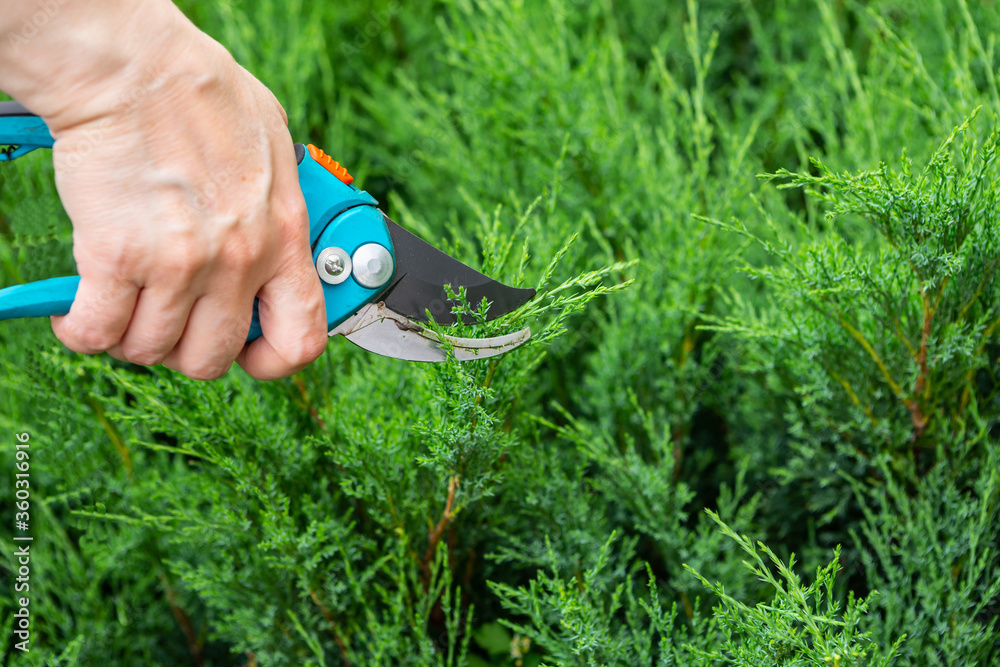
<point>313,412</point>
<point>916,412</point>
<point>112,433</point>
<point>688,609</point>
<point>183,620</point>
<point>922,355</point>
<point>334,628</point>
<point>435,534</point>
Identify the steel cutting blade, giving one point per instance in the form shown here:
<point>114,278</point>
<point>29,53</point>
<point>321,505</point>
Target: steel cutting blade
<point>422,271</point>
<point>379,329</point>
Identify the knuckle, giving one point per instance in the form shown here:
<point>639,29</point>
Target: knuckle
<point>88,340</point>
<point>180,270</point>
<point>208,369</point>
<point>308,349</point>
<point>317,344</point>
<point>148,358</point>
<point>213,365</point>
<point>185,259</point>
<point>245,254</point>
<point>294,216</point>
<point>296,208</point>
<point>143,354</point>
<point>231,347</point>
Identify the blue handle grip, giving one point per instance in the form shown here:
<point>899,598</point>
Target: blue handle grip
<point>23,130</point>
<point>340,215</point>
<point>55,296</point>
<point>40,299</point>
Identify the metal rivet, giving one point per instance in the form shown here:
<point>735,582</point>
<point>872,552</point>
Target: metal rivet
<point>333,265</point>
<point>373,265</point>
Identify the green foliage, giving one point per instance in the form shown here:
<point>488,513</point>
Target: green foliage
<point>802,625</point>
<point>911,317</point>
<point>577,617</point>
<point>811,355</point>
<point>935,550</point>
<point>888,341</point>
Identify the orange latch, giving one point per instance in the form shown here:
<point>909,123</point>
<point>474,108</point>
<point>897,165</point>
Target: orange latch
<point>330,164</point>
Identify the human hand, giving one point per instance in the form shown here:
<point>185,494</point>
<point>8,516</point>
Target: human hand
<point>176,167</point>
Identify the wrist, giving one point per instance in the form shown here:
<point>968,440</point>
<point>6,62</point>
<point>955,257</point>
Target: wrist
<point>73,61</point>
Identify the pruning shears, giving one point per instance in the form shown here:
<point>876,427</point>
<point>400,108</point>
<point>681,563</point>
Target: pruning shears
<point>379,280</point>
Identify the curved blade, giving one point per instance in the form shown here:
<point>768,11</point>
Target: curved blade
<point>422,271</point>
<point>379,329</point>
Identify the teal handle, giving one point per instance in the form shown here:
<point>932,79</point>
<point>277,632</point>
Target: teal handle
<point>54,296</point>
<point>22,130</point>
<point>340,215</point>
<point>40,299</point>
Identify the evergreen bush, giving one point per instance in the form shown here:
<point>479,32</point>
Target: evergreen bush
<point>766,241</point>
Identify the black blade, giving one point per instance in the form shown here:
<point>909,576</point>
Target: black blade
<point>13,109</point>
<point>422,271</point>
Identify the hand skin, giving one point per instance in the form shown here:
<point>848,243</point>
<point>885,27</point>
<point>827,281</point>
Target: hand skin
<point>176,167</point>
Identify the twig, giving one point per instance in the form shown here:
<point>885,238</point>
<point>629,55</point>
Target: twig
<point>854,397</point>
<point>858,336</point>
<point>916,412</point>
<point>183,620</point>
<point>688,609</point>
<point>112,433</point>
<point>333,627</point>
<point>435,534</point>
<point>313,412</point>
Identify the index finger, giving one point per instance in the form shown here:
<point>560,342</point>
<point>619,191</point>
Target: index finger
<point>293,324</point>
